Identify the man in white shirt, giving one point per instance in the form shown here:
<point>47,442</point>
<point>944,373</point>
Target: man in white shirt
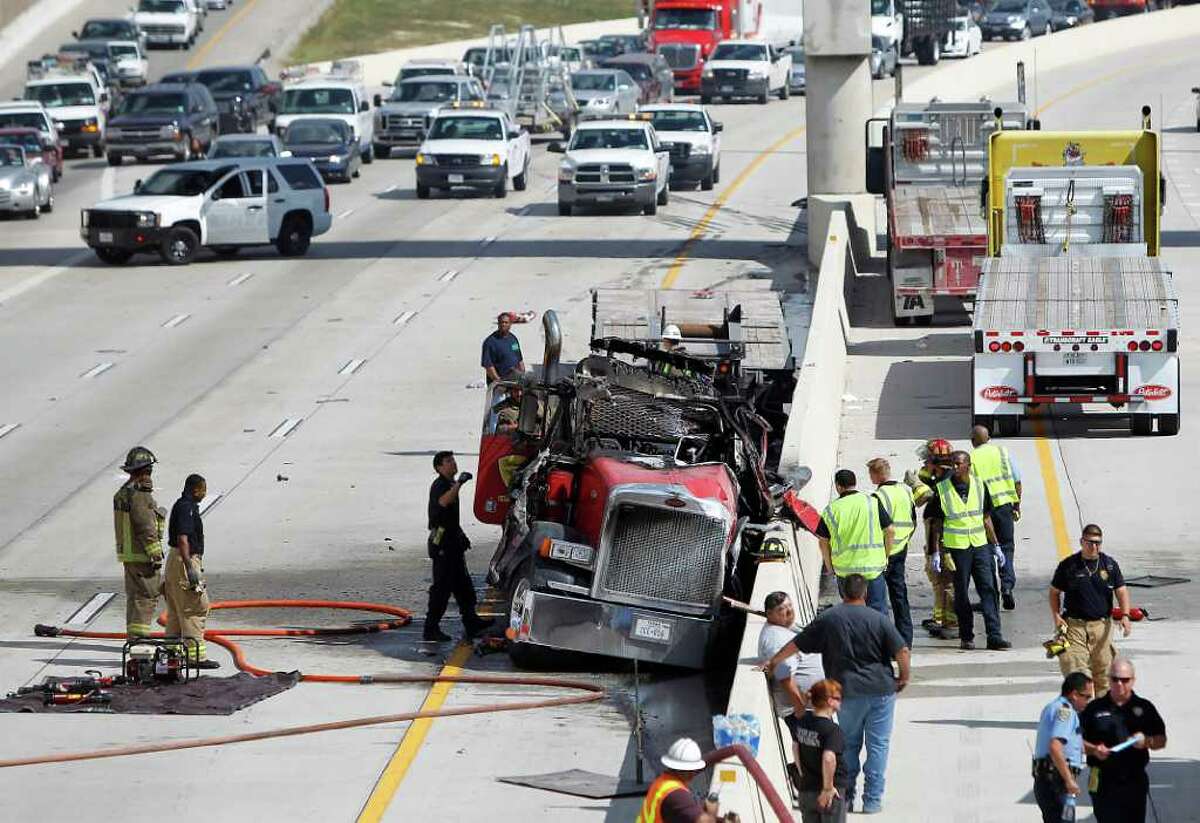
<point>794,676</point>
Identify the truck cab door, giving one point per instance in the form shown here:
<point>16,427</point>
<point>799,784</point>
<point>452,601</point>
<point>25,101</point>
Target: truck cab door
<point>235,211</point>
<point>502,450</point>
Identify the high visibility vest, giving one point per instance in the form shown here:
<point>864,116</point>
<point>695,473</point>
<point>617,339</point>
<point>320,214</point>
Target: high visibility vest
<point>656,794</point>
<point>962,521</point>
<point>897,500</point>
<point>991,464</point>
<point>855,536</point>
<point>129,548</point>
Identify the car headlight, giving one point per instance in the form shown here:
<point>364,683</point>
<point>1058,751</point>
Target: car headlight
<point>758,74</point>
<point>566,173</point>
<point>25,188</point>
<point>1072,21</point>
<point>170,132</point>
<point>90,125</point>
<point>577,554</point>
<point>336,158</point>
<point>424,159</point>
<point>1012,18</point>
<point>147,219</point>
<point>647,174</point>
<point>707,73</point>
<point>114,132</point>
<point>700,148</point>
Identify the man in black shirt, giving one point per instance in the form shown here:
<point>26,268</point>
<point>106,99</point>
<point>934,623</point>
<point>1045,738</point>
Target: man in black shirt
<point>1081,601</point>
<point>184,587</point>
<point>447,549</point>
<point>1118,781</point>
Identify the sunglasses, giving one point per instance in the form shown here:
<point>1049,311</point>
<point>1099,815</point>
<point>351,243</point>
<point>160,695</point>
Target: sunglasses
<point>1093,542</point>
<point>1116,679</point>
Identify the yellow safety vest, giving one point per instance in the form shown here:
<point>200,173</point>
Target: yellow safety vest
<point>655,795</point>
<point>897,500</point>
<point>129,548</point>
<point>962,522</point>
<point>991,464</point>
<point>855,536</point>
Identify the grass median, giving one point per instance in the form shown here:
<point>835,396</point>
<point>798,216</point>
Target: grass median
<point>352,27</point>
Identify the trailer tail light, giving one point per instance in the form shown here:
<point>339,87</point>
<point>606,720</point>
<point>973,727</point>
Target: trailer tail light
<point>1006,346</point>
<point>1144,345</point>
<point>1029,219</point>
<point>1132,345</point>
<point>1018,346</point>
<point>1157,345</point>
<point>993,346</point>
<point>1118,218</point>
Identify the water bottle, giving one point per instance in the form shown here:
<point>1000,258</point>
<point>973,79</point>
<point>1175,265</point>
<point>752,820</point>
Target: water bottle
<point>1068,812</point>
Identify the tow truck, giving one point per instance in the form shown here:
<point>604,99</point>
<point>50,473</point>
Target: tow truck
<point>928,161</point>
<point>1076,315</point>
<point>635,488</point>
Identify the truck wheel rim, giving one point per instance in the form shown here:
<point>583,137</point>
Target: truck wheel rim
<point>517,610</point>
<point>180,248</point>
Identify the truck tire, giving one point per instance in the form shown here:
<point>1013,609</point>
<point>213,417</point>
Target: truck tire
<point>368,155</point>
<point>523,655</point>
<point>115,159</point>
<point>651,208</point>
<point>1008,425</point>
<point>179,246</point>
<point>664,196</point>
<point>786,91</point>
<point>521,181</point>
<point>764,97</point>
<point>929,51</point>
<point>1168,425</point>
<point>1141,425</point>
<point>501,189</point>
<point>381,151</point>
<point>564,209</point>
<point>706,183</point>
<point>422,191</point>
<point>97,151</point>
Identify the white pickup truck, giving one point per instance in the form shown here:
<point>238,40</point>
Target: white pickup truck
<point>613,162</point>
<point>168,22</point>
<point>475,148</point>
<point>746,68</point>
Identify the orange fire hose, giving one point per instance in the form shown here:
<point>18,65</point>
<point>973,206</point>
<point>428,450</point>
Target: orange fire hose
<point>401,617</point>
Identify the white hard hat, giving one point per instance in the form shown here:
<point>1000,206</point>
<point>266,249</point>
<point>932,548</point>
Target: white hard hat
<point>671,332</point>
<point>684,756</point>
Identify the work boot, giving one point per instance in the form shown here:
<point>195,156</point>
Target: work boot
<point>435,635</point>
<point>1007,599</point>
<point>945,633</point>
<point>207,664</point>
<point>479,625</point>
<point>967,645</point>
<point>999,645</point>
<point>929,624</point>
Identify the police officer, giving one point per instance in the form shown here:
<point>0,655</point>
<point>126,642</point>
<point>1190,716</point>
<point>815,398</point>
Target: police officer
<point>184,587</point>
<point>138,522</point>
<point>856,537</point>
<point>995,467</point>
<point>898,502</point>
<point>1081,601</point>
<point>447,549</point>
<point>1118,781</point>
<point>967,535</point>
<point>1058,754</point>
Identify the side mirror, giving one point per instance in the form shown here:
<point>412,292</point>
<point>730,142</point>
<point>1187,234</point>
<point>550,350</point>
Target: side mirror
<point>718,128</point>
<point>557,147</point>
<point>137,186</point>
<point>75,34</point>
<point>285,153</point>
<point>514,134</point>
<point>388,83</point>
<point>364,106</point>
<point>378,99</point>
<point>1195,89</point>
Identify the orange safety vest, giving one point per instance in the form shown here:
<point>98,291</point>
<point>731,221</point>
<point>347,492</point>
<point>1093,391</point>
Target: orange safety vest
<point>656,794</point>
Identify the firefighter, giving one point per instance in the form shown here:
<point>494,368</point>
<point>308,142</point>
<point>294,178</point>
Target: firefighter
<point>898,502</point>
<point>995,467</point>
<point>138,522</point>
<point>938,566</point>
<point>184,587</point>
<point>668,800</point>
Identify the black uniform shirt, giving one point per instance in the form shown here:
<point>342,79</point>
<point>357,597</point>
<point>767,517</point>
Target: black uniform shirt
<point>445,517</point>
<point>185,519</point>
<point>1103,721</point>
<point>1088,585</point>
<point>885,519</point>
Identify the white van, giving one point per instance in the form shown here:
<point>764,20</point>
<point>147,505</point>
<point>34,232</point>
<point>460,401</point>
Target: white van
<point>339,96</point>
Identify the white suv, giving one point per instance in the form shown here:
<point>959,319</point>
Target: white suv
<point>222,204</point>
<point>168,22</point>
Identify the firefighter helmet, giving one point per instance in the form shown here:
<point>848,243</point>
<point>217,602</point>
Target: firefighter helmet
<point>932,449</point>
<point>139,457</point>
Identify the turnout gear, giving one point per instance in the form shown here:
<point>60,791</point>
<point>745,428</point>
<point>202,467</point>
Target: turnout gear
<point>187,603</point>
<point>138,525</point>
<point>962,524</point>
<point>139,457</point>
<point>855,536</point>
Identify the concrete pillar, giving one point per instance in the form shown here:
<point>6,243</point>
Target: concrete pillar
<point>837,45</point>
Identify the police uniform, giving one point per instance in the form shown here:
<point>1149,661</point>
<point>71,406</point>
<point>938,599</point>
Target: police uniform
<point>1119,783</point>
<point>1059,721</point>
<point>138,523</point>
<point>1087,587</point>
<point>897,500</point>
<point>447,547</point>
<point>187,608</point>
<point>994,466</point>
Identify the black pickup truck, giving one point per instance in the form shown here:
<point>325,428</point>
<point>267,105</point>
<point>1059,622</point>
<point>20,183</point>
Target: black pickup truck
<point>245,95</point>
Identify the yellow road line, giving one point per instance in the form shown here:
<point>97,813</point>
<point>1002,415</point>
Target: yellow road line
<point>698,231</point>
<point>393,774</point>
<point>199,54</point>
<point>1058,521</point>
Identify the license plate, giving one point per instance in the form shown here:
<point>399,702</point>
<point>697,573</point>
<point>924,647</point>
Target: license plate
<point>604,198</point>
<point>1074,358</point>
<point>64,143</point>
<point>454,178</point>
<point>105,236</point>
<point>654,629</point>
<point>726,88</point>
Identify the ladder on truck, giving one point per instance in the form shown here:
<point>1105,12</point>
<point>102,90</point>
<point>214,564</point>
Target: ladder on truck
<point>534,89</point>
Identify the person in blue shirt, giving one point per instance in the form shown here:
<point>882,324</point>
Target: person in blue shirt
<point>1058,754</point>
<point>501,355</point>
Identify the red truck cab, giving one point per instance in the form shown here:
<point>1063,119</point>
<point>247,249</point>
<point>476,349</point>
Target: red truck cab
<point>685,32</point>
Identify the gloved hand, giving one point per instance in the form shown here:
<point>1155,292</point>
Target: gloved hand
<point>996,550</point>
<point>465,477</point>
<point>193,576</point>
<point>911,480</point>
<point>935,562</point>
<point>948,562</point>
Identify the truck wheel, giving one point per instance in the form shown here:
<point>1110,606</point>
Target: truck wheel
<point>664,196</point>
<point>762,98</point>
<point>523,655</point>
<point>650,209</point>
<point>422,191</point>
<point>786,91</point>
<point>179,246</point>
<point>368,155</point>
<point>564,209</point>
<point>501,189</point>
<point>717,174</point>
<point>295,236</point>
<point>114,257</point>
<point>521,181</point>
<point>381,151</point>
<point>1168,424</point>
<point>114,159</point>
<point>1198,124</point>
<point>1140,425</point>
<point>97,151</point>
<point>706,184</point>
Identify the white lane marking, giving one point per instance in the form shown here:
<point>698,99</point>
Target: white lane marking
<point>389,189</point>
<point>49,274</point>
<point>108,183</point>
<point>351,366</point>
<point>286,427</point>
<point>210,501</point>
<point>345,214</point>
<point>175,321</point>
<point>96,370</point>
<point>403,318</point>
<point>87,612</point>
<point>240,279</point>
<point>448,275</point>
<point>491,238</point>
<point>9,428</point>
<point>1182,185</point>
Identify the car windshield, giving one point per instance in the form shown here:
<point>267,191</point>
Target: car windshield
<point>318,101</point>
<point>28,141</point>
<point>467,128</point>
<point>593,82</point>
<point>104,30</point>
<point>11,156</point>
<point>685,19</point>
<point>609,139</point>
<point>604,48</point>
<point>23,120</point>
<point>425,92</point>
<point>638,71</point>
<point>94,50</point>
<point>570,54</point>
<point>153,103</point>
<point>183,77</point>
<point>225,80</point>
<point>116,50</point>
<point>51,95</point>
<point>425,71</point>
<point>685,120</point>
<point>182,182</point>
<point>740,51</point>
<point>242,148</point>
<point>880,6</point>
<point>1009,6</point>
<point>301,132</point>
<point>161,6</point>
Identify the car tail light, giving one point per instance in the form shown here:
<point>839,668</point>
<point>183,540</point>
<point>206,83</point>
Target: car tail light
<point>1157,345</point>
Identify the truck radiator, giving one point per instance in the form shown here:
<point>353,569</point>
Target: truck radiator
<point>664,556</point>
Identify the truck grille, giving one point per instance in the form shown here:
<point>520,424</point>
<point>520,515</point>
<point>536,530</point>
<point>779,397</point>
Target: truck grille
<point>99,219</point>
<point>679,151</point>
<point>396,121</point>
<point>139,135</point>
<point>625,413</point>
<point>665,556</point>
<point>605,173</point>
<point>5,195</point>
<point>680,55</point>
<point>163,28</point>
<point>730,75</point>
<point>458,160</point>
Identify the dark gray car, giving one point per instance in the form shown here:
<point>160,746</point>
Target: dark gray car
<point>1069,14</point>
<point>1016,20</point>
<point>651,72</point>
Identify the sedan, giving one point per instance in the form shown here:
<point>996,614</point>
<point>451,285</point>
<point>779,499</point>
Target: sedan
<point>884,58</point>
<point>798,81</point>
<point>605,92</point>
<point>1069,14</point>
<point>650,71</point>
<point>37,145</point>
<point>25,186</point>
<point>1016,20</point>
<point>247,145</point>
<point>329,144</point>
